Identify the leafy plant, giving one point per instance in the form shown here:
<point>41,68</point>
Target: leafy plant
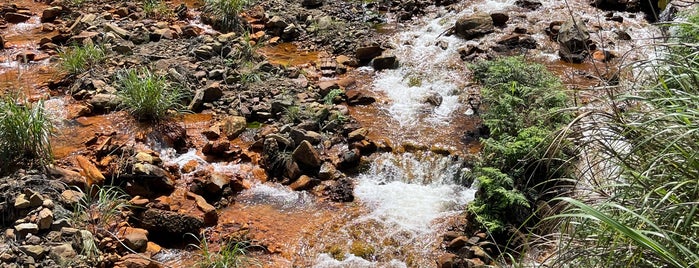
<point>25,129</point>
<point>330,97</point>
<point>78,59</point>
<point>156,9</point>
<point>148,96</point>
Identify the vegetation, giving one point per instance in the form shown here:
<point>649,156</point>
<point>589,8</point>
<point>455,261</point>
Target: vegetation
<point>100,206</point>
<point>25,129</point>
<point>78,59</point>
<point>156,9</point>
<point>226,13</point>
<point>148,96</point>
<point>230,255</point>
<point>523,104</point>
<point>639,205</point>
<point>330,97</point>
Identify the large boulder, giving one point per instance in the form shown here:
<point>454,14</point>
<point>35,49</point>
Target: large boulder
<point>474,25</point>
<point>168,222</point>
<point>573,41</point>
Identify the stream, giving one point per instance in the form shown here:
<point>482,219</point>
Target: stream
<point>404,200</point>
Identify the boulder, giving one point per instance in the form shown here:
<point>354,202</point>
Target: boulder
<point>499,18</point>
<point>232,126</point>
<point>385,61</point>
<point>62,253</point>
<point>35,251</point>
<point>104,102</point>
<point>573,41</point>
<point>45,219</point>
<point>51,13</point>
<point>134,238</point>
<point>474,25</point>
<point>163,221</point>
<point>304,183</point>
<point>13,17</point>
<point>367,53</point>
<point>311,3</point>
<point>306,155</point>
<point>341,190</point>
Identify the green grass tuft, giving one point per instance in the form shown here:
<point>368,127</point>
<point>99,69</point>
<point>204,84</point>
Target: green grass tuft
<point>148,96</point>
<point>226,13</point>
<point>24,134</point>
<point>78,59</point>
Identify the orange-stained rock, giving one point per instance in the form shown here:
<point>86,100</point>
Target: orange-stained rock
<point>92,174</point>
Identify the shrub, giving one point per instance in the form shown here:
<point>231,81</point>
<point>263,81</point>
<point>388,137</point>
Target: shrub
<point>156,9</point>
<point>523,103</point>
<point>78,59</point>
<point>24,134</point>
<point>230,255</point>
<point>100,206</point>
<point>146,95</point>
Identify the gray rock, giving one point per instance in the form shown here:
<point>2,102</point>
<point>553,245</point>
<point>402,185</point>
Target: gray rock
<point>232,126</point>
<point>573,40</point>
<point>62,253</point>
<point>104,102</point>
<point>45,219</point>
<point>162,221</point>
<point>204,52</point>
<point>473,26</point>
<point>111,27</point>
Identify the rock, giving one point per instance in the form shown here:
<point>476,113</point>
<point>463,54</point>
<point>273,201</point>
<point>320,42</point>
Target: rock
<point>153,248</point>
<point>7,257</point>
<point>134,238</point>
<point>358,97</point>
<point>573,41</point>
<point>104,102</point>
<point>212,133</point>
<point>300,135</point>
<point>307,155</point>
<point>350,159</point>
<point>22,202</point>
<point>457,243</point>
<point>473,26</point>
<point>528,4</point>
<point>13,17</point>
<point>479,252</point>
<point>311,3</point>
<point>475,262</point>
<point>123,47</point>
<point>341,190</point>
<point>358,134</point>
<point>499,18</point>
<point>59,224</point>
<point>327,86</point>
<point>134,261</point>
<point>149,180</point>
<point>603,55</point>
<point>367,53</point>
<point>276,25</point>
<point>385,61</point>
<point>45,219</point>
<point>62,253</point>
<point>35,251</point>
<point>446,260</point>
<point>210,216</point>
<point>2,42</point>
<point>71,197</point>
<point>69,177</point>
<point>51,13</point>
<point>232,126</point>
<point>327,171</point>
<point>111,27</point>
<point>434,98</point>
<point>216,182</point>
<point>304,183</point>
<point>204,52</point>
<point>156,220</point>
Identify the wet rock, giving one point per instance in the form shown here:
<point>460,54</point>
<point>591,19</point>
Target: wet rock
<point>528,4</point>
<point>367,53</point>
<point>341,190</point>
<point>51,13</point>
<point>134,238</point>
<point>514,41</point>
<point>210,216</point>
<point>457,243</point>
<point>385,61</point>
<point>156,220</point>
<point>474,25</point>
<point>45,219</point>
<point>357,97</point>
<point>307,155</point>
<point>499,18</point>
<point>232,126</point>
<point>358,134</point>
<point>327,171</point>
<point>13,17</point>
<point>173,134</point>
<point>104,102</point>
<point>446,260</point>
<point>35,251</point>
<point>350,159</point>
<point>92,174</point>
<point>134,261</point>
<point>603,55</point>
<point>26,228</point>
<point>573,40</point>
<point>2,42</point>
<point>148,180</point>
<point>433,98</point>
<point>304,183</point>
<point>622,35</point>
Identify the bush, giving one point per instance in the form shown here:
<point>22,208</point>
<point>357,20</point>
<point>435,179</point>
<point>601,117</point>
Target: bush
<point>78,59</point>
<point>523,105</point>
<point>24,134</point>
<point>230,255</point>
<point>156,9</point>
<point>146,95</point>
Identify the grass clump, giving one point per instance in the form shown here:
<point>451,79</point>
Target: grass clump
<point>99,207</point>
<point>156,9</point>
<point>25,129</point>
<point>146,95</point>
<point>523,103</point>
<point>224,15</point>
<point>78,59</point>
<point>641,208</point>
<point>230,255</point>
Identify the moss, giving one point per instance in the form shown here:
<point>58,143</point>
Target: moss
<point>362,249</point>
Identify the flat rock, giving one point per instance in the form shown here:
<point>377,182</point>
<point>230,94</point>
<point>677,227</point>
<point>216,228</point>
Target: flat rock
<point>474,25</point>
<point>13,17</point>
<point>35,251</point>
<point>45,219</point>
<point>26,228</point>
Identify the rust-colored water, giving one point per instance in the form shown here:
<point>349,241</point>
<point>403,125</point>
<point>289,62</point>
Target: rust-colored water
<point>72,134</point>
<point>287,54</point>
